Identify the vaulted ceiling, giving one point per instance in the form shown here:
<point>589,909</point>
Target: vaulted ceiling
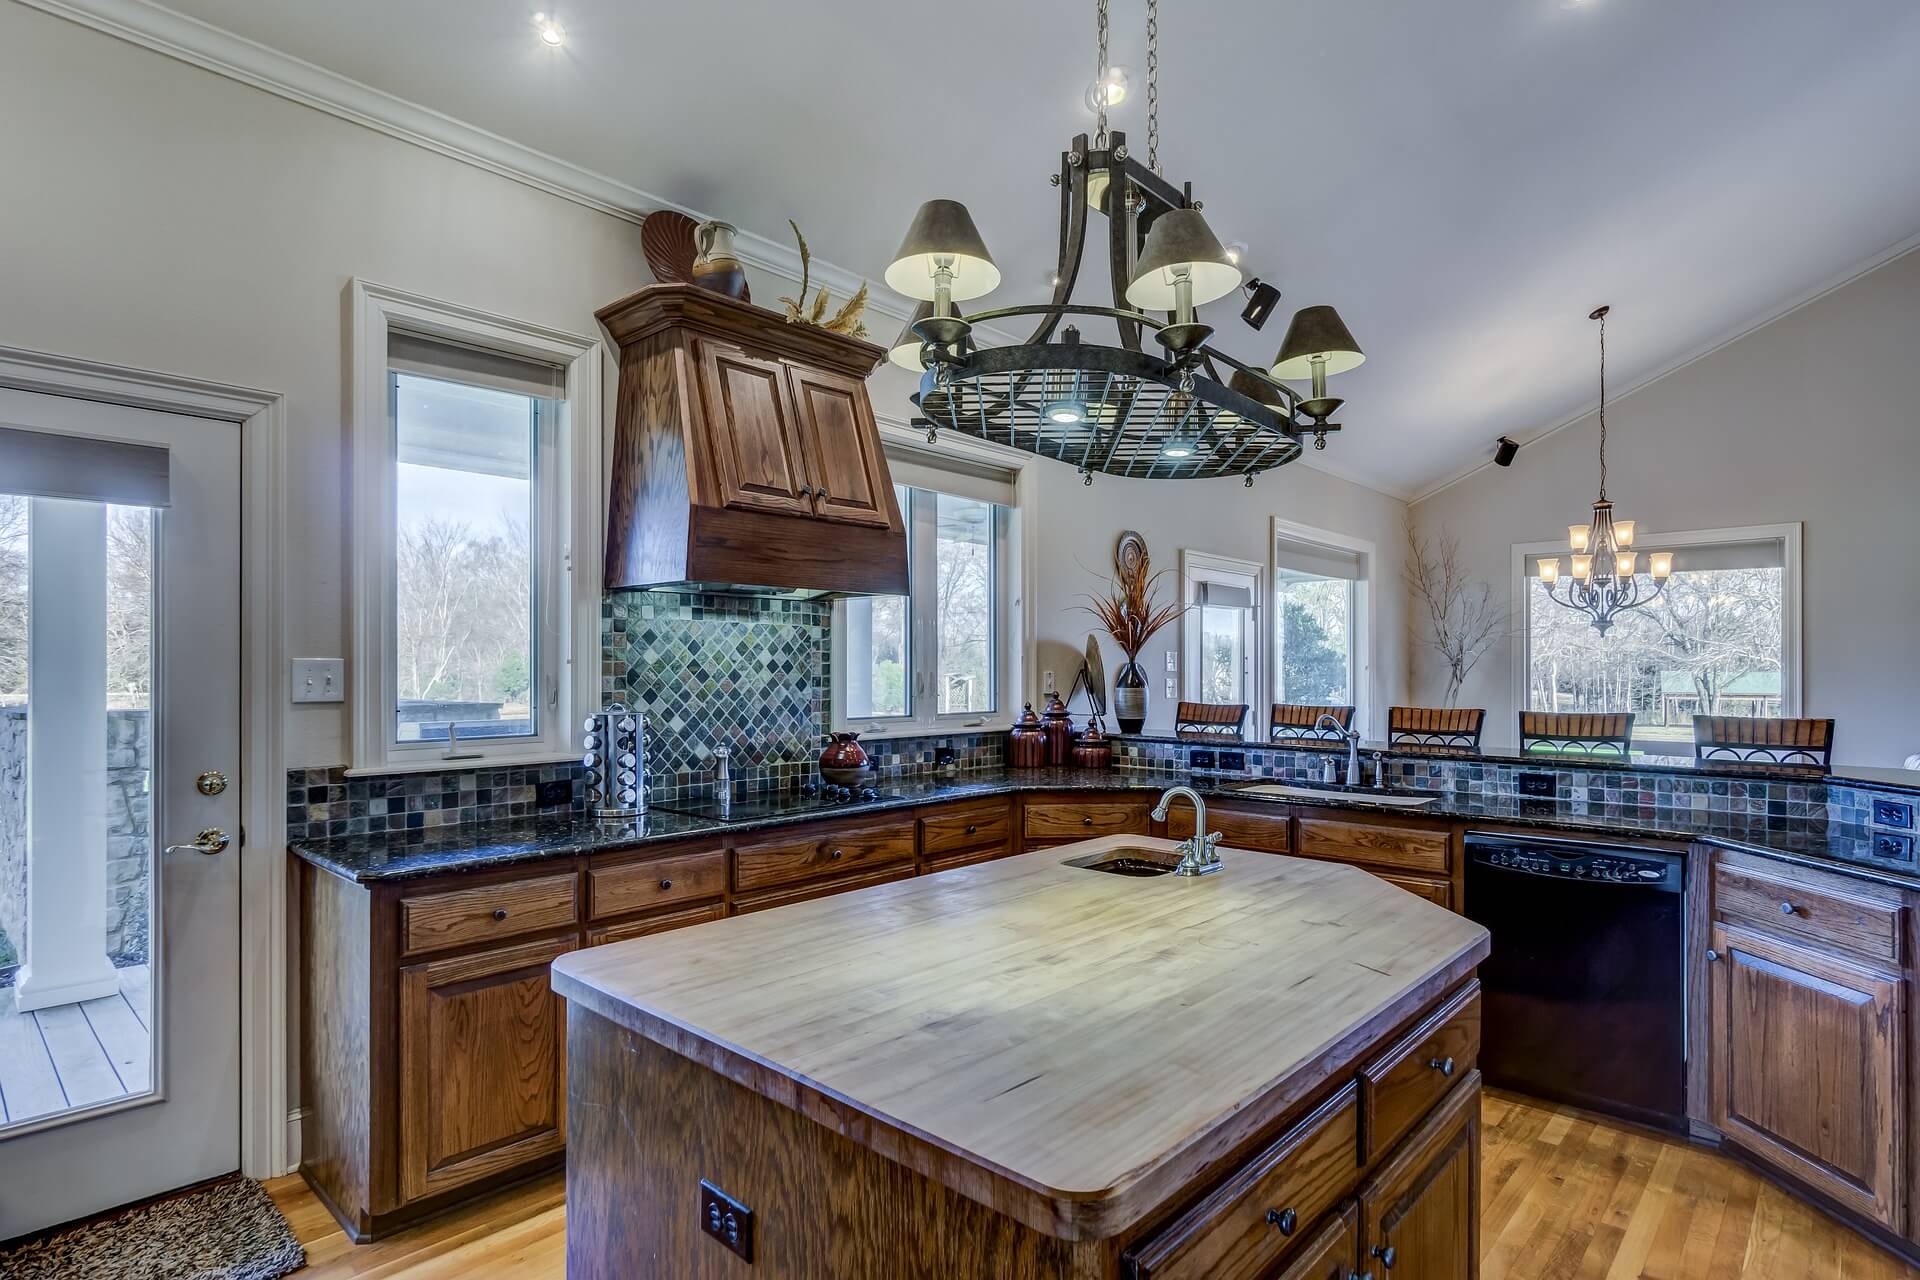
<point>1464,180</point>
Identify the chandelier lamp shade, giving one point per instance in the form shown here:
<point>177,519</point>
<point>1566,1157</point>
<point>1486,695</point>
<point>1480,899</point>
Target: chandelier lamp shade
<point>1174,408</point>
<point>1603,578</point>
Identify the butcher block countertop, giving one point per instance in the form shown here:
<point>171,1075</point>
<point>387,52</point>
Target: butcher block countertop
<point>1068,1046</point>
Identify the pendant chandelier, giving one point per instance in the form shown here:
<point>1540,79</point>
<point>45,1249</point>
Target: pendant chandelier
<point>1184,411</point>
<point>1605,580</point>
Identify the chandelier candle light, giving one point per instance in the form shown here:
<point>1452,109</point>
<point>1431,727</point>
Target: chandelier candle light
<point>1605,578</point>
<point>1189,411</point>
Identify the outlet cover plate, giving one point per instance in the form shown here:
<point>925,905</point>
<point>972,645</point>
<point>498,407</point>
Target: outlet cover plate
<point>726,1220</point>
<point>1893,813</point>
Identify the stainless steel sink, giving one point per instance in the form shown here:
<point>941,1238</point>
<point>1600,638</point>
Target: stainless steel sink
<point>1284,791</point>
<point>1129,862</point>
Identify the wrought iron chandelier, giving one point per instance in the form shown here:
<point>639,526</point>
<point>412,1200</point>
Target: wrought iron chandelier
<point>1605,580</point>
<point>1187,411</point>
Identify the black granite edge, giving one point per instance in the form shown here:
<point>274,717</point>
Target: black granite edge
<point>1870,777</point>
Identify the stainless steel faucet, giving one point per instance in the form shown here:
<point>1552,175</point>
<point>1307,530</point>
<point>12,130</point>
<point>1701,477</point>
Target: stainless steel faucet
<point>1353,745</point>
<point>1200,854</point>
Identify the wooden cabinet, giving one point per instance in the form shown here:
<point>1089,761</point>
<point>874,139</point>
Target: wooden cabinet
<point>969,831</point>
<point>487,913</point>
<point>648,882</point>
<point>841,444</point>
<point>1057,821</point>
<point>1331,1253</point>
<point>823,851</point>
<point>752,434</point>
<point>768,899</point>
<point>1402,1084</point>
<point>1808,1064</point>
<point>1403,848</point>
<point>1417,1215</point>
<point>482,1056</point>
<point>1267,831</point>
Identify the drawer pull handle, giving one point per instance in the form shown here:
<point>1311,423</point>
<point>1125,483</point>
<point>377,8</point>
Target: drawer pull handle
<point>971,828</point>
<point>1086,822</point>
<point>1285,1219</point>
<point>499,913</point>
<point>666,884</point>
<point>1385,1253</point>
<point>1786,908</point>
<point>1712,955</point>
<point>1445,1067</point>
<point>835,855</point>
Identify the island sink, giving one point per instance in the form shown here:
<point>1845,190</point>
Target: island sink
<point>1129,862</point>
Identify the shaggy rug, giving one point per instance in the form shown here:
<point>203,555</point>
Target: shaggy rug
<point>226,1230</point>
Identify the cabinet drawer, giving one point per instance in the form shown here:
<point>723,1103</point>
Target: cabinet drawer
<point>814,857</point>
<point>1414,848</point>
<point>434,921</point>
<point>659,923</point>
<point>1265,832</point>
<point>1083,819</point>
<point>807,892</point>
<point>1785,905</point>
<point>626,887</point>
<point>1438,892</point>
<point>1402,1084</point>
<point>965,827</point>
<point>1266,1207</point>
<point>965,858</point>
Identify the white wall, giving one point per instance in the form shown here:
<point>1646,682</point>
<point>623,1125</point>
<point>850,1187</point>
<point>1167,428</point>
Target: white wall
<point>1812,418</point>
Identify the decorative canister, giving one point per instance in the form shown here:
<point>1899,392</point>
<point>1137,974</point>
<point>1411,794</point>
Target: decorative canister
<point>1027,742</point>
<point>714,266</point>
<point>1093,751</point>
<point>843,761</point>
<point>1059,727</point>
<point>1130,697</point>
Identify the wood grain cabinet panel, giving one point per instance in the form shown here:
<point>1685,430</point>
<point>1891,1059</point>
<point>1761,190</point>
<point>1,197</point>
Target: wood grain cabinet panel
<point>770,898</point>
<point>1051,821</point>
<point>659,922</point>
<point>1808,1067</point>
<point>1417,1215</point>
<point>1438,892</point>
<point>822,853</point>
<point>1827,916</point>
<point>482,1066</point>
<point>842,447</point>
<point>1407,848</point>
<point>1238,828</point>
<point>1243,1228</point>
<point>622,888</point>
<point>752,434</point>
<point>1399,1086</point>
<point>966,828</point>
<point>487,913</point>
<point>1333,1253</point>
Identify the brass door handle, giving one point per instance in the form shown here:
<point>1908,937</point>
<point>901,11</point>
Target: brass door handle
<point>211,841</point>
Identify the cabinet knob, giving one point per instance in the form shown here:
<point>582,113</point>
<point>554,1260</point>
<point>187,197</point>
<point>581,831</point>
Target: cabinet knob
<point>1285,1219</point>
<point>1445,1067</point>
<point>1385,1253</point>
<point>971,828</point>
<point>806,491</point>
<point>1786,908</point>
<point>666,884</point>
<point>835,855</point>
<point>499,913</point>
<point>1712,955</point>
<point>1086,822</point>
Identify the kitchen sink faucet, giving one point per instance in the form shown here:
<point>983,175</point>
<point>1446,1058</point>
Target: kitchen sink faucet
<point>1353,745</point>
<point>1200,854</point>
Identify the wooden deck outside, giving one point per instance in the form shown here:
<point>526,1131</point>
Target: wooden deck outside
<point>76,1055</point>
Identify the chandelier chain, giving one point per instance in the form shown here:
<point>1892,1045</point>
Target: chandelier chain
<point>1153,84</point>
<point>1100,80</point>
<point>1603,407</point>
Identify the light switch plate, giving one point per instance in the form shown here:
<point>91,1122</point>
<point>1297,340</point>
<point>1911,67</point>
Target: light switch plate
<point>319,679</point>
<point>1170,687</point>
<point>1173,660</point>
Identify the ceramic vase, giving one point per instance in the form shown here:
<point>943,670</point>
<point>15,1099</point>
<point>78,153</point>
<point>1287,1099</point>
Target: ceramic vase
<point>843,761</point>
<point>714,265</point>
<point>1130,697</point>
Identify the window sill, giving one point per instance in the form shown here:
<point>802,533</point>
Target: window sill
<point>891,733</point>
<point>436,764</point>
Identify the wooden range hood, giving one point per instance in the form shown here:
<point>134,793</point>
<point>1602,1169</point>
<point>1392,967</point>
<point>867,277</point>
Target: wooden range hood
<point>745,453</point>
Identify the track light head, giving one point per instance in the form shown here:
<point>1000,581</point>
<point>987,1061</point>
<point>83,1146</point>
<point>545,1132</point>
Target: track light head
<point>1262,298</point>
<point>1503,454</point>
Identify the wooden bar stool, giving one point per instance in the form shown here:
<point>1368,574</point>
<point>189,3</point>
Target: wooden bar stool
<point>1435,728</point>
<point>1806,744</point>
<point>1594,733</point>
<point>1211,719</point>
<point>1293,724</point>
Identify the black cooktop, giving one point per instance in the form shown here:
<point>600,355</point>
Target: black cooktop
<point>812,798</point>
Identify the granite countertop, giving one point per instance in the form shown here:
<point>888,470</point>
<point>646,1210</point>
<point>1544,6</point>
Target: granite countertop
<point>399,855</point>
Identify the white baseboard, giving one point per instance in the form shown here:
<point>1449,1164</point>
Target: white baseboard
<point>296,1125</point>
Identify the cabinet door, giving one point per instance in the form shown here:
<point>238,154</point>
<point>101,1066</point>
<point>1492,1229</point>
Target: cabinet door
<point>1807,1057</point>
<point>1418,1214</point>
<point>483,1075</point>
<point>842,448</point>
<point>750,425</point>
<point>1333,1253</point>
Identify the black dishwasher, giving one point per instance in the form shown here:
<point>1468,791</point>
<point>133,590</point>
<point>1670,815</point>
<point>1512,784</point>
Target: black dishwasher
<point>1584,993</point>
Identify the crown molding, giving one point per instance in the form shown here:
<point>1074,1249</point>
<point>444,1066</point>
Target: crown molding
<point>162,30</point>
<point>1886,257</point>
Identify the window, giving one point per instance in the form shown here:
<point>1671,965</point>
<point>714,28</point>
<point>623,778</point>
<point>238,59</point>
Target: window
<point>1716,643</point>
<point>474,638</point>
<point>1220,633</point>
<point>938,656</point>
<point>1318,619</point>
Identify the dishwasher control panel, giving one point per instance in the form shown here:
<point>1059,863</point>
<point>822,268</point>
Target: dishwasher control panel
<point>1563,862</point>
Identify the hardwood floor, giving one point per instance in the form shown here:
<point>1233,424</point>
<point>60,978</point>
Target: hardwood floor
<point>1564,1197</point>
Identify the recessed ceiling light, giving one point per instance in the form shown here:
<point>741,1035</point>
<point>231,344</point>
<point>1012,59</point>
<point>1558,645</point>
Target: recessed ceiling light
<point>1119,80</point>
<point>550,30</point>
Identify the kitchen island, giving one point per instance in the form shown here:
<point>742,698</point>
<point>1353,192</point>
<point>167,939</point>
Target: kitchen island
<point>1029,1068</point>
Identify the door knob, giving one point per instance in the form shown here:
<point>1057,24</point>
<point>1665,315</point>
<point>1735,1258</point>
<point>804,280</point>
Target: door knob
<point>212,840</point>
<point>210,783</point>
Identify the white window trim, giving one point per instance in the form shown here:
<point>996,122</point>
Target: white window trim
<point>1197,567</point>
<point>1013,630</point>
<point>1369,713</point>
<point>374,310</point>
<point>1788,535</point>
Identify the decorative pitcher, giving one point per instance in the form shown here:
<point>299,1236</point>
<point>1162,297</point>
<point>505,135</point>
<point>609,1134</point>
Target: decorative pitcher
<point>714,265</point>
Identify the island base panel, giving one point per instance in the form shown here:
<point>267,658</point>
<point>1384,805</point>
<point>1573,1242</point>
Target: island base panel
<point>645,1126</point>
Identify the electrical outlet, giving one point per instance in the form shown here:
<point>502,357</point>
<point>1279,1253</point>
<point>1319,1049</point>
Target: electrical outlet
<point>1046,682</point>
<point>726,1220</point>
<point>1233,762</point>
<point>1173,660</point>
<point>319,679</point>
<point>1893,845</point>
<point>1892,813</point>
<point>1536,784</point>
<point>1200,758</point>
<point>550,795</point>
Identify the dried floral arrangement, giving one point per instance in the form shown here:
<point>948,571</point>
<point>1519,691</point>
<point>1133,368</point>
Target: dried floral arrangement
<point>845,321</point>
<point>1127,611</point>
